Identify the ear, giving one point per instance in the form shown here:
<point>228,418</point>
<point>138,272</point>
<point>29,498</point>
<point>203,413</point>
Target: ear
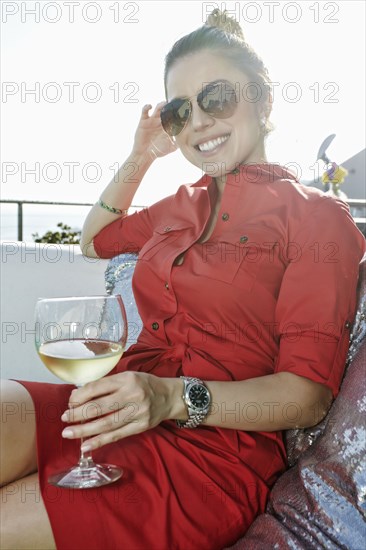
<point>264,108</point>
<point>267,107</point>
<point>263,111</point>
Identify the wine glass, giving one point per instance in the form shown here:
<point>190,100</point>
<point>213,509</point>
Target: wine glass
<point>81,339</point>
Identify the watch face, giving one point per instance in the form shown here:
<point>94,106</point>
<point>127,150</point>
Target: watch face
<point>199,396</point>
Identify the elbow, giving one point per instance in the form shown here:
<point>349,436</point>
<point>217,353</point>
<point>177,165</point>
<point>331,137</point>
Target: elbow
<point>319,410</point>
<point>319,406</point>
<point>87,248</point>
<point>313,400</point>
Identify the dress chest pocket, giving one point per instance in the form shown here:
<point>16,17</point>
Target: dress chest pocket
<point>237,256</point>
<point>163,240</point>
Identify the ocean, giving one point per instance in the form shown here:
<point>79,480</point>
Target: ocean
<point>38,218</point>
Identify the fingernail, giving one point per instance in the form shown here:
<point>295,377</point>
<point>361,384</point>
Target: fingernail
<point>85,448</point>
<point>65,416</point>
<point>67,433</point>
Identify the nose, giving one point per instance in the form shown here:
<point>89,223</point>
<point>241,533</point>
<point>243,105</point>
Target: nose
<point>199,119</point>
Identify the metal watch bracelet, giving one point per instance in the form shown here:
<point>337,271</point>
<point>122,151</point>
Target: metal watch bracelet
<point>192,422</point>
<point>194,419</point>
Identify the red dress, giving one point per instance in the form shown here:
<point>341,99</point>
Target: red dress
<point>273,289</point>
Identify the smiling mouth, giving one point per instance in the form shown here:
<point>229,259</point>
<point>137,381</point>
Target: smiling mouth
<point>211,145</point>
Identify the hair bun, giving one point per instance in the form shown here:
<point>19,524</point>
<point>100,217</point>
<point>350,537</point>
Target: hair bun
<point>221,20</point>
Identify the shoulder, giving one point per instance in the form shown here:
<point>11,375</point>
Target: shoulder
<point>307,203</point>
<point>303,194</point>
<point>328,222</point>
<point>313,215</point>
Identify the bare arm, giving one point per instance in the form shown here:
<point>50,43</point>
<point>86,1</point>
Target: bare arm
<point>119,194</point>
<point>278,401</point>
<point>150,142</point>
<point>268,403</point>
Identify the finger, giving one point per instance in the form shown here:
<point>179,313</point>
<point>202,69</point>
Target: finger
<point>93,427</point>
<point>85,412</point>
<point>156,112</point>
<point>92,390</point>
<point>158,108</point>
<point>107,423</point>
<point>145,111</point>
<point>113,436</point>
<point>94,409</point>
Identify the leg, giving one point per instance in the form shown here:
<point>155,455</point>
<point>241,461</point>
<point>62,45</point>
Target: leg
<point>23,519</point>
<point>18,433</point>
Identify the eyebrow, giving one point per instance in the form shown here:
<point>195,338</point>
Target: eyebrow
<point>204,85</point>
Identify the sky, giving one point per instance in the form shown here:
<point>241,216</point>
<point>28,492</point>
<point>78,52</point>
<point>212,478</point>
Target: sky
<point>95,64</point>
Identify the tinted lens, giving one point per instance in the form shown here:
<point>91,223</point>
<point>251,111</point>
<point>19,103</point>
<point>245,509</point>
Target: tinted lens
<point>174,116</point>
<point>218,99</point>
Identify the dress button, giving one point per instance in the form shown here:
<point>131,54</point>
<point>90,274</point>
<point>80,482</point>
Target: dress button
<point>243,239</point>
<point>155,326</point>
<point>347,324</point>
<point>166,286</point>
<point>167,228</point>
<point>225,216</point>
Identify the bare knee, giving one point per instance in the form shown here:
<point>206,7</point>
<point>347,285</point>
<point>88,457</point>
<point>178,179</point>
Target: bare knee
<point>18,432</point>
<point>24,520</point>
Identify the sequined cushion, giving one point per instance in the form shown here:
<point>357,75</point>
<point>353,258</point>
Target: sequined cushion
<point>118,280</point>
<point>321,502</point>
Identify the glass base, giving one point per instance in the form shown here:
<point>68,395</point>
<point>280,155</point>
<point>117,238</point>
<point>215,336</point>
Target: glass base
<point>92,476</point>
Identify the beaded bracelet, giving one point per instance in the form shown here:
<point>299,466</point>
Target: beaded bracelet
<point>111,209</point>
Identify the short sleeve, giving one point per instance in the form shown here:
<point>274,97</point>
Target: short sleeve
<point>317,299</point>
<point>129,234</point>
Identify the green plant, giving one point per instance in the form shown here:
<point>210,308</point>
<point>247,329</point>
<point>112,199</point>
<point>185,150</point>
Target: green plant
<point>65,235</point>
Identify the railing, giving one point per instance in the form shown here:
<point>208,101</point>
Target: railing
<point>20,204</point>
<point>357,209</point>
<point>358,212</point>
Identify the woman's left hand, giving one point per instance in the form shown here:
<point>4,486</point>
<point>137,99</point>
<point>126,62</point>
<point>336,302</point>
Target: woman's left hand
<point>120,405</point>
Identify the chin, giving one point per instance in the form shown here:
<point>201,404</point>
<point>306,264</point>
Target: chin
<point>217,168</point>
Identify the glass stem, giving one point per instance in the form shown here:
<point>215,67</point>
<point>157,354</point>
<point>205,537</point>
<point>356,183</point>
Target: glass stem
<point>86,460</point>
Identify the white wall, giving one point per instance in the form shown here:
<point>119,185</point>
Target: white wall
<point>30,271</point>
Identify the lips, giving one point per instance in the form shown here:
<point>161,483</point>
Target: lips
<point>212,144</point>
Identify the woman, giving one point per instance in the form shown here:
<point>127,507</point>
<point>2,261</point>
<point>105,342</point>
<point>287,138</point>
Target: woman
<point>246,283</point>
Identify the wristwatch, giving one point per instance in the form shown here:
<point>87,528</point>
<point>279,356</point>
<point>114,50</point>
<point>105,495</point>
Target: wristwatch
<point>197,399</point>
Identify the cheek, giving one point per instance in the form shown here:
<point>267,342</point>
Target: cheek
<point>182,141</point>
<point>183,147</point>
<point>247,133</point>
<point>188,153</point>
<point>249,127</point>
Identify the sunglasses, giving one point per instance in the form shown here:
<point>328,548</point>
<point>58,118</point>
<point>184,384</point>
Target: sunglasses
<point>217,99</point>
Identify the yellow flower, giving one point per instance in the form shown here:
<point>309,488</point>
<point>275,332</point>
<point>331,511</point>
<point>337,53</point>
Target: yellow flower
<point>334,174</point>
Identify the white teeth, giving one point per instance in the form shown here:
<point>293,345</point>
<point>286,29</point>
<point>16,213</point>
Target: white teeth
<point>211,145</point>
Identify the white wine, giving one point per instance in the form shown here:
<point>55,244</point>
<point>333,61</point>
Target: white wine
<point>80,361</point>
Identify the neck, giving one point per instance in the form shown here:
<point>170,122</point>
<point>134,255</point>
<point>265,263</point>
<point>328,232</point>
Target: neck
<point>221,180</point>
<point>256,156</point>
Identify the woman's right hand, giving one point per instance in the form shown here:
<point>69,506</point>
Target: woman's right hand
<point>150,137</point>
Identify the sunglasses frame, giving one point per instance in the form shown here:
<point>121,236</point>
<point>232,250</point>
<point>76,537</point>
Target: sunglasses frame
<point>231,88</point>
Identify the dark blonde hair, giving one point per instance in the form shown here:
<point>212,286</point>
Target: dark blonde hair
<point>223,35</point>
